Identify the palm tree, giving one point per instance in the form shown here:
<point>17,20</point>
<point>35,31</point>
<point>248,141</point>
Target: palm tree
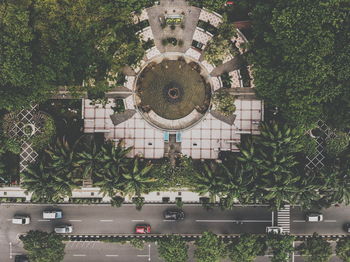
<point>61,157</point>
<point>137,179</point>
<point>210,180</point>
<point>109,183</point>
<point>89,160</point>
<point>47,186</point>
<point>113,164</point>
<point>114,158</point>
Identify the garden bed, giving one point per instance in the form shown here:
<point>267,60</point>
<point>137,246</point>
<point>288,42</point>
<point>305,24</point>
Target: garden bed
<point>67,116</point>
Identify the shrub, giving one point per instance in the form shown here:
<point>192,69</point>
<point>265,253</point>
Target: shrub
<point>164,41</point>
<point>137,243</point>
<point>180,43</point>
<point>224,103</point>
<point>337,143</point>
<point>117,201</point>
<point>139,202</point>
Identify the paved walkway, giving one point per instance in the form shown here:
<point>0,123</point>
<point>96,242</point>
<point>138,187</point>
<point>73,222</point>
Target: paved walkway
<point>167,7</point>
<point>231,65</point>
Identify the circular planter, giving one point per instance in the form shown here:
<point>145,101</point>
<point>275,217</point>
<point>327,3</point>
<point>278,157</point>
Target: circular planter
<point>28,129</point>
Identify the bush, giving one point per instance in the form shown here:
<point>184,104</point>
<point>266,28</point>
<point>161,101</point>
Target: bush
<point>224,103</point>
<point>179,202</point>
<point>180,43</point>
<point>137,243</point>
<point>172,27</point>
<point>337,143</point>
<point>117,201</point>
<point>139,202</point>
<point>164,41</point>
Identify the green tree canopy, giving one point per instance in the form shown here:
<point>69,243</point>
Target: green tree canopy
<point>343,249</point>
<point>246,248</point>
<point>173,249</point>
<point>315,249</point>
<point>209,248</point>
<point>51,43</point>
<point>43,246</point>
<point>282,247</point>
<point>301,54</point>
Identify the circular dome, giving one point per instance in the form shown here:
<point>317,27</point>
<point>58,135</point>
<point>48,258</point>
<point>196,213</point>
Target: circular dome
<point>173,90</point>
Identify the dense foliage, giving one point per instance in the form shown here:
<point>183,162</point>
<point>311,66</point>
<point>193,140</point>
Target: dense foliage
<point>209,248</point>
<point>43,246</point>
<point>315,249</point>
<point>50,43</point>
<point>281,246</point>
<point>343,249</point>
<point>223,102</point>
<point>301,54</point>
<point>246,248</point>
<point>173,249</point>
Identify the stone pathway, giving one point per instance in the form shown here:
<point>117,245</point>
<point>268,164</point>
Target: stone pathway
<point>167,7</point>
<point>231,65</point>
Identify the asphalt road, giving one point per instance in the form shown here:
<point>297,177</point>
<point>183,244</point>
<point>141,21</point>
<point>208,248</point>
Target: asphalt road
<point>333,224</point>
<point>109,220</point>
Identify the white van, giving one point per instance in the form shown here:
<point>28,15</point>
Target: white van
<point>64,229</point>
<point>21,220</point>
<point>314,217</point>
<point>52,214</point>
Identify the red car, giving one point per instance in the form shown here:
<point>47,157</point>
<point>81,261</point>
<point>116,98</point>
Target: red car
<point>143,229</point>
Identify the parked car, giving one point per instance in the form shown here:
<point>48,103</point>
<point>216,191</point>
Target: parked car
<point>347,227</point>
<point>52,214</point>
<point>174,214</point>
<point>21,220</point>
<point>143,229</point>
<point>64,229</point>
<point>274,230</point>
<point>314,217</point>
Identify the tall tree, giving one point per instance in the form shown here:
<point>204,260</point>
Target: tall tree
<point>209,248</point>
<point>315,249</point>
<point>173,249</point>
<point>282,247</point>
<point>46,185</point>
<point>343,249</point>
<point>137,179</point>
<point>52,43</point>
<point>210,179</point>
<point>271,159</point>
<point>43,246</point>
<point>246,248</point>
<point>300,52</point>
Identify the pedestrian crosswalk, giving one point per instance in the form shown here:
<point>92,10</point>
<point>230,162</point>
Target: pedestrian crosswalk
<point>283,218</point>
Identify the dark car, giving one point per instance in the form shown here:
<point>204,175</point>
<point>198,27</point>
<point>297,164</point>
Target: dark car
<point>174,214</point>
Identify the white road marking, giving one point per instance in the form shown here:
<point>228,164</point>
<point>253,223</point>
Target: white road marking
<point>10,250</point>
<point>106,220</point>
<point>299,221</point>
<point>74,220</point>
<point>137,220</point>
<point>43,220</point>
<point>79,255</point>
<point>112,255</point>
<point>233,221</point>
<point>166,220</point>
<point>330,221</point>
